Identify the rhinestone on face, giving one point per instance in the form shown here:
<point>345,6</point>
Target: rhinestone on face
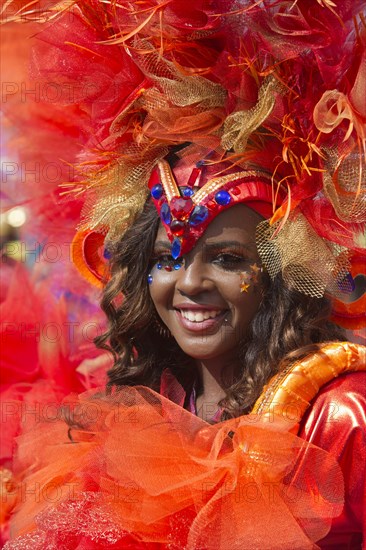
<point>149,279</point>
<point>176,248</point>
<point>198,216</point>
<point>165,214</point>
<point>157,191</point>
<point>159,266</point>
<point>223,198</point>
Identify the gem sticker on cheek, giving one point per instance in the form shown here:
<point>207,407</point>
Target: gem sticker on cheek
<point>169,265</point>
<point>247,278</point>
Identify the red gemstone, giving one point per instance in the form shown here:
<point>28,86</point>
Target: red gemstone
<point>194,175</point>
<point>235,191</point>
<point>181,207</point>
<point>177,227</point>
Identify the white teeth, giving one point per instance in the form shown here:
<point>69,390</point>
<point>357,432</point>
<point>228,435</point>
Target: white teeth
<point>199,316</point>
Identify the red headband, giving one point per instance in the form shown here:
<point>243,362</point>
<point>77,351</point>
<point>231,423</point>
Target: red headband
<point>187,210</point>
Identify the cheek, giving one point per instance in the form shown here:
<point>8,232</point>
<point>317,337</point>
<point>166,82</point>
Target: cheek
<point>248,307</point>
<point>244,304</point>
<point>161,291</point>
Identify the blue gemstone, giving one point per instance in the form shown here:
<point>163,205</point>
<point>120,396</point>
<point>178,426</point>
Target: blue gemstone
<point>186,191</point>
<point>157,191</point>
<point>347,284</point>
<point>199,215</point>
<point>176,248</point>
<point>107,254</point>
<point>223,198</point>
<point>177,266</point>
<point>159,266</point>
<point>165,214</point>
<point>149,279</point>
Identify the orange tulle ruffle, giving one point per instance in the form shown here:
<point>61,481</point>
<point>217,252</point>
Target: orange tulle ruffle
<point>134,470</point>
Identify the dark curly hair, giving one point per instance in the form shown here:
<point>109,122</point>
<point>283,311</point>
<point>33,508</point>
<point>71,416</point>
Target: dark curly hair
<point>287,326</point>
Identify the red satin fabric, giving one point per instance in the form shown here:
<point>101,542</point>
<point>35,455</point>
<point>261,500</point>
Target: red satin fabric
<point>336,422</point>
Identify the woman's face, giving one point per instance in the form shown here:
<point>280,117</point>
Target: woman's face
<point>203,303</point>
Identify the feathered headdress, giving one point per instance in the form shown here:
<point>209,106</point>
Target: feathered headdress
<point>269,93</point>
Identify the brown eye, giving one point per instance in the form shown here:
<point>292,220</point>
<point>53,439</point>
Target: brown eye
<point>229,261</point>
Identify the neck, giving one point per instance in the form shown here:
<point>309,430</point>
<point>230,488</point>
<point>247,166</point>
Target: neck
<point>216,376</point>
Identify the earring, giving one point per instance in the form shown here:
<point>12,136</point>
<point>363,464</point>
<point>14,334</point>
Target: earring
<point>248,278</point>
<point>149,278</point>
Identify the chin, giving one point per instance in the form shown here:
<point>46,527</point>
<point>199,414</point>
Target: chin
<point>204,350</point>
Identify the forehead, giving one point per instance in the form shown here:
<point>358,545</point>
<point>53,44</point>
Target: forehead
<point>238,223</point>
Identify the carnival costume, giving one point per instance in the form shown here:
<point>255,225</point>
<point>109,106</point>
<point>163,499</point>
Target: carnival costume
<point>203,107</point>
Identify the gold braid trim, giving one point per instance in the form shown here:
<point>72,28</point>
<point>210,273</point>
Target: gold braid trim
<point>168,180</point>
<point>217,183</point>
<point>291,391</point>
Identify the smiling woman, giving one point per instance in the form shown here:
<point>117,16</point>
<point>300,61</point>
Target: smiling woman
<point>205,315</point>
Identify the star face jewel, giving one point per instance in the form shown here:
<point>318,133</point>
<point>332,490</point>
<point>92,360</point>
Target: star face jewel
<point>244,287</point>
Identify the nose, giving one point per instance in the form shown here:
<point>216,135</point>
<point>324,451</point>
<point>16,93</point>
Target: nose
<point>194,277</point>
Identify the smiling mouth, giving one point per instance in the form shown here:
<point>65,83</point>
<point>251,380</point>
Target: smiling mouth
<point>199,316</point>
<point>201,320</point>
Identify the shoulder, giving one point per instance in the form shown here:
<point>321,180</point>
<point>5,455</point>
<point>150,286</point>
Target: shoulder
<point>336,422</point>
<point>339,409</point>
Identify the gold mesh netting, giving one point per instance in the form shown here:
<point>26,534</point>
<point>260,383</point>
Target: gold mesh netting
<point>178,109</point>
<point>116,195</point>
<point>308,263</point>
<point>241,124</point>
<point>345,185</point>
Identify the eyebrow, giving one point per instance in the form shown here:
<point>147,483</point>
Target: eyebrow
<point>212,246</point>
<point>229,244</point>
